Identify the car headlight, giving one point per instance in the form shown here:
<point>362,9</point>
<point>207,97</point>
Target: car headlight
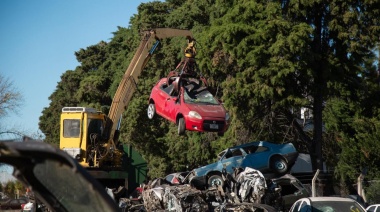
<point>194,114</point>
<point>227,117</point>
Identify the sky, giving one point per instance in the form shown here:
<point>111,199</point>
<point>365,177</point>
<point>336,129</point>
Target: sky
<point>38,40</point>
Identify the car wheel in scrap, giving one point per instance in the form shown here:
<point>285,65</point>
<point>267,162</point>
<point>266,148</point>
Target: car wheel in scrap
<point>279,165</point>
<point>215,180</point>
<point>151,110</point>
<point>181,126</point>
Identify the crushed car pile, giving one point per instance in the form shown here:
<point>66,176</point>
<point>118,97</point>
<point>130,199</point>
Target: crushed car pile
<point>244,190</point>
<point>50,173</point>
<point>221,186</point>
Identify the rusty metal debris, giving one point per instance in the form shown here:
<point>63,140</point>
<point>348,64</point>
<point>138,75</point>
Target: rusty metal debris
<point>252,185</point>
<point>246,190</point>
<point>159,195</point>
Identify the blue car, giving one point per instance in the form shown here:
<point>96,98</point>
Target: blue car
<point>261,155</point>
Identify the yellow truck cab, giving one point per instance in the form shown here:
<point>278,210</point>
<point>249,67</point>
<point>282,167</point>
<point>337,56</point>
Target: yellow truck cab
<point>84,136</point>
<point>81,127</point>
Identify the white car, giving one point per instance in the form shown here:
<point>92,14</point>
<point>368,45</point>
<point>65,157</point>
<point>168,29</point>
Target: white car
<point>326,204</point>
<point>373,208</point>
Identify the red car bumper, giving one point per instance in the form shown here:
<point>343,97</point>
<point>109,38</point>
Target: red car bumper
<point>206,125</point>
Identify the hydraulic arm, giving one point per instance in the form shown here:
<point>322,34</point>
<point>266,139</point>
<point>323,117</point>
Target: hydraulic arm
<point>128,84</point>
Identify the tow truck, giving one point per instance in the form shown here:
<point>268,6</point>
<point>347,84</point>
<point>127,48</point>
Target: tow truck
<point>92,137</point>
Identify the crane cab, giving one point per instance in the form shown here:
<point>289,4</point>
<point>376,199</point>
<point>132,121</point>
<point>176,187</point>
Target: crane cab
<point>81,129</point>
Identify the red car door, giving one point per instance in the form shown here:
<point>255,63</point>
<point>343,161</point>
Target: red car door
<point>160,101</point>
<point>172,106</point>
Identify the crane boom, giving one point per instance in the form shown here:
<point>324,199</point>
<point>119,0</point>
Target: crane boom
<point>91,137</point>
<point>129,82</point>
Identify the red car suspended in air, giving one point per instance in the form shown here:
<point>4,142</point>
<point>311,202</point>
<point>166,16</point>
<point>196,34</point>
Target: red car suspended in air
<point>189,104</point>
<point>183,98</point>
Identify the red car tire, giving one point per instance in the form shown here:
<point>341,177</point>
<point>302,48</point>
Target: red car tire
<point>181,126</point>
<point>151,110</point>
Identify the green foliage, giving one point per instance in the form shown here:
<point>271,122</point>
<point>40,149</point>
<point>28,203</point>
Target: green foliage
<point>63,96</point>
<point>265,60</point>
<point>373,192</point>
<point>255,59</point>
<point>353,119</point>
<point>92,57</point>
<point>12,187</point>
<point>363,146</point>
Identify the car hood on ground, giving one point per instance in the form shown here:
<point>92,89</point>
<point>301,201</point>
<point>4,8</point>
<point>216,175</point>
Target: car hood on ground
<point>55,177</point>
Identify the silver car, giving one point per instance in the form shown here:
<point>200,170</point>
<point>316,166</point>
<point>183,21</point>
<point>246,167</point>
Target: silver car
<point>326,204</point>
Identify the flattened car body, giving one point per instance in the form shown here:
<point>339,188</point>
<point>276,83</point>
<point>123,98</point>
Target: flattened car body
<point>261,155</point>
<point>291,190</point>
<point>174,198</point>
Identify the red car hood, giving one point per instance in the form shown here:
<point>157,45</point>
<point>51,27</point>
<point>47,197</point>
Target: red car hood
<point>204,110</point>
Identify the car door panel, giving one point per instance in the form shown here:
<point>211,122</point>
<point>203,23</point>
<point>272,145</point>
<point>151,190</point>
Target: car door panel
<point>171,106</point>
<point>258,160</point>
<point>160,101</point>
<point>233,159</point>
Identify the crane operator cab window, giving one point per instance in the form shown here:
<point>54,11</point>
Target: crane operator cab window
<point>71,128</point>
<point>95,126</point>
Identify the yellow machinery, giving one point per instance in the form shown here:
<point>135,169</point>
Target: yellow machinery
<point>90,136</point>
<point>81,129</point>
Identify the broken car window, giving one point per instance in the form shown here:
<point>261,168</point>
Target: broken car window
<point>233,153</point>
<point>250,149</point>
<point>202,97</point>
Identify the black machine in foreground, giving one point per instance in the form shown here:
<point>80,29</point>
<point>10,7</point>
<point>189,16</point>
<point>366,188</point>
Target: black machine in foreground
<point>55,178</point>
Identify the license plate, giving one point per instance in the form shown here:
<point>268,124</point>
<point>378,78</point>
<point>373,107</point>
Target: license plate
<point>214,126</point>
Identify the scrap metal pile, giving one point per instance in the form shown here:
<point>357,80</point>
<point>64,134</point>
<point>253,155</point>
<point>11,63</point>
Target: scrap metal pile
<point>247,190</point>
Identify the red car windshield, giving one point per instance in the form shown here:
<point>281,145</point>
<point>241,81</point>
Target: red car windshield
<point>202,97</point>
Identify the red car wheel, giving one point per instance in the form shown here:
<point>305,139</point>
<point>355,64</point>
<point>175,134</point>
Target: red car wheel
<point>181,126</point>
<point>151,110</point>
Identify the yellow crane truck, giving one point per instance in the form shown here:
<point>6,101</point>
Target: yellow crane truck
<point>91,136</point>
